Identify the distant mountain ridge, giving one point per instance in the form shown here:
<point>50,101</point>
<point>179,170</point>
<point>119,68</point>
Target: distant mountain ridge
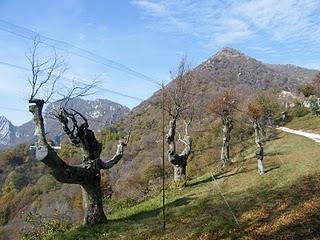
<point>100,113</point>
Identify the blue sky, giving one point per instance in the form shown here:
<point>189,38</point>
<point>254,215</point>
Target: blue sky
<point>150,37</point>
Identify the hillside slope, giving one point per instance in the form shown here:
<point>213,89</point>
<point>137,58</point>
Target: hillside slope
<point>228,68</point>
<point>283,204</point>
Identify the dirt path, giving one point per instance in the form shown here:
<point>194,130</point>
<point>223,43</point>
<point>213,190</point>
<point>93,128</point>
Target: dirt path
<point>313,136</point>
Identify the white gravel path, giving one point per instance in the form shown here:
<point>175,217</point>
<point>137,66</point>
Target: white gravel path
<point>313,136</point>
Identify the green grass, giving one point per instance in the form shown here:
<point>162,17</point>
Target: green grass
<point>282,204</point>
<point>308,122</point>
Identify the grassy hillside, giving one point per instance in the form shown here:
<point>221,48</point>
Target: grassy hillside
<point>282,204</point>
<point>133,197</point>
<point>307,122</point>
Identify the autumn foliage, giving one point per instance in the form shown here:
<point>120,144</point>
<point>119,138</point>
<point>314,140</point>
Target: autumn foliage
<point>254,110</point>
<point>224,104</point>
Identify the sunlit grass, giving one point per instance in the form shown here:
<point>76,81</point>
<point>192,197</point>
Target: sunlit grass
<point>308,122</point>
<point>282,204</point>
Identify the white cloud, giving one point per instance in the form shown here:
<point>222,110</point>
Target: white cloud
<point>202,18</point>
<point>163,11</point>
<point>151,7</point>
<point>82,36</point>
<point>227,22</point>
<point>283,20</point>
<point>231,30</point>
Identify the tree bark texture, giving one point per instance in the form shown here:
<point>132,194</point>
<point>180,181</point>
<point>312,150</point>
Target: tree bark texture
<point>92,202</point>
<point>87,174</point>
<point>179,161</point>
<point>258,140</point>
<point>226,131</point>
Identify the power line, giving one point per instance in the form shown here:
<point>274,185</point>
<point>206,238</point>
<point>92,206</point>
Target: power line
<point>13,66</point>
<point>76,81</point>
<point>62,45</point>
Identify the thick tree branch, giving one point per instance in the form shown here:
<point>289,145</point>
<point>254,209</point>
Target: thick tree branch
<point>106,164</point>
<point>44,153</point>
<point>187,141</point>
<point>35,107</point>
<point>170,138</point>
<point>60,170</point>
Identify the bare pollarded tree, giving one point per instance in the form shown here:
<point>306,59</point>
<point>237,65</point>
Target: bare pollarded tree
<point>179,161</point>
<point>224,106</point>
<point>76,126</point>
<point>254,113</point>
<point>178,104</point>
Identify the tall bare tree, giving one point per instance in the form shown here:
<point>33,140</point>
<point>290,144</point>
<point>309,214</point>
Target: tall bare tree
<point>178,104</point>
<point>76,126</point>
<point>254,113</point>
<point>223,106</point>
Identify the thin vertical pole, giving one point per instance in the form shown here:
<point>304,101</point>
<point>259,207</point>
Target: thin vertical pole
<point>163,169</point>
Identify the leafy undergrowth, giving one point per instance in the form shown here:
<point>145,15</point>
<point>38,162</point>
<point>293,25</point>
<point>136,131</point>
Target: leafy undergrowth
<point>282,204</point>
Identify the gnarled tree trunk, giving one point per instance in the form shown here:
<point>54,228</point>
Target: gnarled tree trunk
<point>226,130</point>
<point>179,161</point>
<point>92,201</point>
<point>87,175</point>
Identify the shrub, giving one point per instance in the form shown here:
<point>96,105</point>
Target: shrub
<point>268,103</point>
<point>15,181</point>
<point>306,89</point>
<point>68,151</point>
<point>5,205</point>
<point>46,183</point>
<point>4,215</point>
<point>314,106</point>
<point>152,172</point>
<point>300,111</point>
<point>43,228</point>
<point>108,134</point>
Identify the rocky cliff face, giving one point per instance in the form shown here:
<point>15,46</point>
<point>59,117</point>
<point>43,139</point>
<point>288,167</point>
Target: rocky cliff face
<point>7,132</point>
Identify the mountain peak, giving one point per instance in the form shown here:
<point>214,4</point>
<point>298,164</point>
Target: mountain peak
<point>3,118</point>
<point>6,132</point>
<point>227,51</point>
